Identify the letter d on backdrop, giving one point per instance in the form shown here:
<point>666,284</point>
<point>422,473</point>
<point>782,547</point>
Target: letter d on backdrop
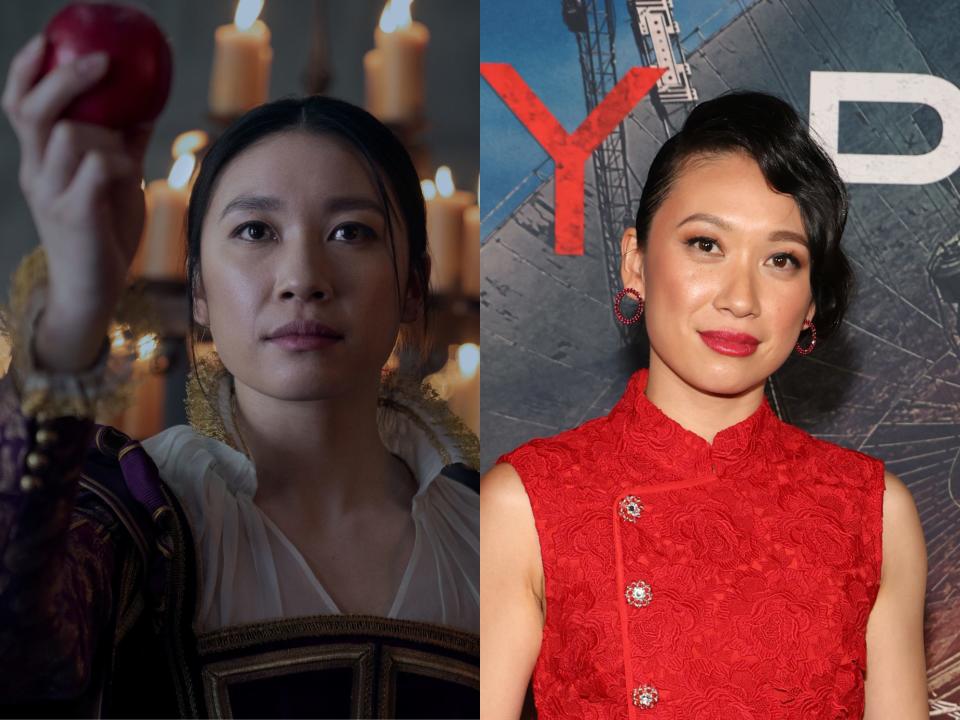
<point>829,89</point>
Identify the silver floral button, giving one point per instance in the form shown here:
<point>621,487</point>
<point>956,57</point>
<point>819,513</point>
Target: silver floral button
<point>645,697</point>
<point>639,594</point>
<point>630,508</point>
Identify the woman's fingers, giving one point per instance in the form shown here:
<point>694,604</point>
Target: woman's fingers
<point>68,143</point>
<point>45,102</point>
<point>97,171</point>
<point>51,150</point>
<point>22,74</point>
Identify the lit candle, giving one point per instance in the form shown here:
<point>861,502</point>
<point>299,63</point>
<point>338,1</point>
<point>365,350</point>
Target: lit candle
<point>161,254</point>
<point>445,208</point>
<point>458,383</point>
<point>143,417</point>
<point>394,68</point>
<point>470,265</point>
<point>240,78</point>
<point>465,401</point>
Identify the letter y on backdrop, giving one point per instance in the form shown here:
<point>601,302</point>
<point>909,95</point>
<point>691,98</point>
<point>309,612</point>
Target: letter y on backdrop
<point>569,151</point>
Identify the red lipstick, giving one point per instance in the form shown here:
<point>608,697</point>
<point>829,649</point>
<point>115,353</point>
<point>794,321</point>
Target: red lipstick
<point>731,343</point>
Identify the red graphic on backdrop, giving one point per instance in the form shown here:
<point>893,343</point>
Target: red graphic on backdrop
<point>569,151</point>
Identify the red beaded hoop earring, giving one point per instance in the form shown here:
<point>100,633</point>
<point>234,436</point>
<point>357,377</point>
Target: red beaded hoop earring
<point>813,339</point>
<point>637,313</point>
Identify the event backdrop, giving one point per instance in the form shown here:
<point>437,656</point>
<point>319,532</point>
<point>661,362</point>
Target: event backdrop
<point>879,81</point>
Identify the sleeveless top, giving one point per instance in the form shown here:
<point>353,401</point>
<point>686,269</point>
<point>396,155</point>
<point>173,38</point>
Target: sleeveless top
<point>690,580</point>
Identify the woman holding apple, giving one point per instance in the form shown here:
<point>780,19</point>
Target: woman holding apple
<point>305,527</point>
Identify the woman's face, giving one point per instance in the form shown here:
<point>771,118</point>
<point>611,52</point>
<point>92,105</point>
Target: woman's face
<point>295,233</point>
<point>725,275</point>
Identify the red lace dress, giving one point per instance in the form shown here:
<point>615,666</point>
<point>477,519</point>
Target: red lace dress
<point>692,581</point>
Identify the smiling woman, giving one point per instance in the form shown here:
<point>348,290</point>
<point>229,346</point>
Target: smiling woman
<point>306,546</point>
<point>690,552</point>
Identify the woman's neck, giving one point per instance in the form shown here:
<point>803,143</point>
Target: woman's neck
<point>323,458</point>
<point>700,412</point>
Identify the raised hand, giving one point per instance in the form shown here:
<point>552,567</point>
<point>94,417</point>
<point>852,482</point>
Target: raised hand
<point>82,184</point>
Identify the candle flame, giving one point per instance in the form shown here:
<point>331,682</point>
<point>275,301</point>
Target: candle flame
<point>247,13</point>
<point>468,358</point>
<point>429,189</point>
<point>444,181</point>
<point>147,346</point>
<point>396,15</point>
<point>181,171</point>
<point>188,142</point>
<point>118,336</point>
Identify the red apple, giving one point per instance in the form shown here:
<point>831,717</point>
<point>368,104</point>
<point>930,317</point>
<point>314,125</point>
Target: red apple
<point>137,82</point>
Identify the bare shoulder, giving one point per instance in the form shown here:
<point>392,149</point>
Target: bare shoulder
<point>504,504</point>
<point>896,682</point>
<point>897,491</point>
<point>511,610</point>
<point>904,548</point>
<point>508,533</point>
<point>501,486</point>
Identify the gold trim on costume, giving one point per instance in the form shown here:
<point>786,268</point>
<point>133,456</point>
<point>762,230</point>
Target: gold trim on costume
<point>107,388</point>
<point>101,445</point>
<point>129,599</point>
<point>160,512</point>
<point>325,641</point>
<point>132,446</point>
<point>119,510</point>
<point>218,676</point>
<point>175,592</point>
<point>396,660</point>
<point>421,400</point>
<point>238,637</point>
<point>432,437</point>
<point>418,402</point>
<point>203,415</point>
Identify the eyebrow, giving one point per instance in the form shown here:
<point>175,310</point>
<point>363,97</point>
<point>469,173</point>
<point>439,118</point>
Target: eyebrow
<point>787,235</point>
<point>267,203</point>
<point>340,204</point>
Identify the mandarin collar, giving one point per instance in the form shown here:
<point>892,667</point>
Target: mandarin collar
<point>647,430</point>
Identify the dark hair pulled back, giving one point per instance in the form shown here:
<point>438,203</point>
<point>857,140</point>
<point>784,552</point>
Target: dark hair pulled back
<point>388,160</point>
<point>768,130</point>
